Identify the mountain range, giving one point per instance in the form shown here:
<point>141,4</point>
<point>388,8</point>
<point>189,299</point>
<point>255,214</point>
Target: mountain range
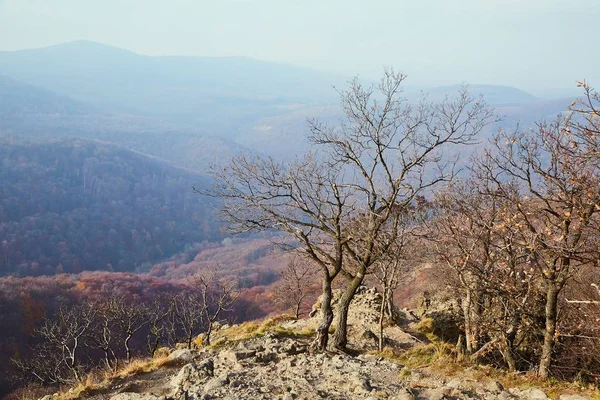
<point>144,129</point>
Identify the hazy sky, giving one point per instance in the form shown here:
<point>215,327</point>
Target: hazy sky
<point>531,44</point>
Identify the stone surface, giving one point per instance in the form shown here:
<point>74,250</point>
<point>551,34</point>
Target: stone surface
<point>184,355</point>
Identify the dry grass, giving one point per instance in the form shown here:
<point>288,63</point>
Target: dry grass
<point>101,378</point>
<point>440,357</point>
<point>255,329</point>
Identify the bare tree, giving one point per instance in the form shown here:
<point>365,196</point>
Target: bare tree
<point>382,156</point>
<point>296,282</point>
<point>101,336</point>
<point>187,316</point>
<point>389,271</point>
<point>216,296</point>
<point>58,359</point>
<point>301,199</point>
<point>129,319</point>
<point>393,154</point>
<point>158,312</point>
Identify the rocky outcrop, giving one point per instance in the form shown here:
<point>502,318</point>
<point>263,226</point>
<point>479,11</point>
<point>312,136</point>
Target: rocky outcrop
<point>279,364</point>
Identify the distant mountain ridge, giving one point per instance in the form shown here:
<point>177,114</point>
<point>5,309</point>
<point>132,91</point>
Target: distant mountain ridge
<point>18,98</point>
<point>108,76</point>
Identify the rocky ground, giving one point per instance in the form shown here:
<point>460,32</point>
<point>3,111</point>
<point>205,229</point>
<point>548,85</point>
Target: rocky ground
<point>277,363</point>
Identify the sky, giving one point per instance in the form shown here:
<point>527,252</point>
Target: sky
<point>530,44</point>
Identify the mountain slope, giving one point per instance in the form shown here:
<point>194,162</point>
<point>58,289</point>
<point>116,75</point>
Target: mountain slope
<point>71,205</point>
<point>107,76</point>
<point>19,100</point>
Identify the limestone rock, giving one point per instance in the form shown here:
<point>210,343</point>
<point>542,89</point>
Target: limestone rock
<point>135,396</point>
<point>183,355</point>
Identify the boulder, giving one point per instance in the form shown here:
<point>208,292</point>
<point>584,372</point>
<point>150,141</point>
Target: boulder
<point>183,355</point>
<point>494,387</point>
<point>216,383</point>
<point>135,396</point>
<point>530,394</point>
<point>192,375</point>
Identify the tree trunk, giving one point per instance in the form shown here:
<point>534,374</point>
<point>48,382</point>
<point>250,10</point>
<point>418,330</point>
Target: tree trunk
<point>460,347</point>
<point>382,310</point>
<point>390,309</point>
<point>471,312</point>
<point>297,309</point>
<point>507,353</point>
<point>206,341</point>
<point>127,348</point>
<point>550,330</point>
<point>340,337</point>
<point>322,337</point>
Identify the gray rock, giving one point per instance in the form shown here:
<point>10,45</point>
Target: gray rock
<point>360,384</point>
<point>135,396</point>
<point>216,383</point>
<point>432,394</point>
<point>184,355</point>
<point>236,356</point>
<point>505,396</point>
<point>531,394</point>
<point>192,375</point>
<point>404,394</point>
<point>456,383</point>
<point>494,387</point>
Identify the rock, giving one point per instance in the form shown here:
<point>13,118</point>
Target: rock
<point>360,384</point>
<point>192,375</point>
<point>572,397</point>
<point>266,357</point>
<point>531,394</point>
<point>216,383</point>
<point>494,387</point>
<point>135,396</point>
<point>184,355</point>
<point>404,394</point>
<point>368,335</point>
<point>456,383</point>
<point>432,394</point>
<point>290,348</point>
<point>505,396</point>
<point>236,356</point>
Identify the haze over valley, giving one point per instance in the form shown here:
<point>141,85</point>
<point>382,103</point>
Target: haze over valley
<point>196,175</point>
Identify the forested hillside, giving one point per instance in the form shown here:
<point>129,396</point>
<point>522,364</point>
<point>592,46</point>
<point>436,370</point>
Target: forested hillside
<point>73,205</point>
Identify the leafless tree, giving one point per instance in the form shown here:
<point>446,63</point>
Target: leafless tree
<point>158,311</point>
<point>101,336</point>
<point>187,316</point>
<point>58,359</point>
<point>129,319</point>
<point>296,282</point>
<point>389,272</point>
<point>302,199</point>
<point>383,155</point>
<point>216,297</point>
<point>393,154</point>
<point>476,245</point>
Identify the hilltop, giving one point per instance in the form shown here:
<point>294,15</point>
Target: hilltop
<point>273,359</point>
